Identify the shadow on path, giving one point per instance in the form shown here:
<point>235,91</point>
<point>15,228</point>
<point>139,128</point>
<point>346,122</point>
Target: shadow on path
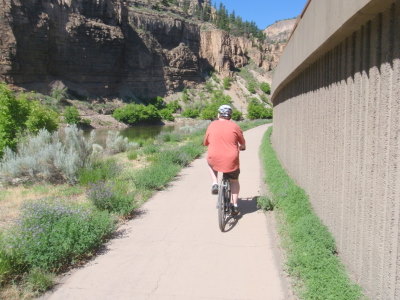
<point>246,206</point>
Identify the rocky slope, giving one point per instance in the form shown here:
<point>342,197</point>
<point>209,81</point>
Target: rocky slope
<point>108,48</point>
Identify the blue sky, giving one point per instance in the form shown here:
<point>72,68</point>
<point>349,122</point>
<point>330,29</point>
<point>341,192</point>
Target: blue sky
<point>264,12</point>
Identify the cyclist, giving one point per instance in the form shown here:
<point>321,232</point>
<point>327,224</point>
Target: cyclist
<point>224,139</point>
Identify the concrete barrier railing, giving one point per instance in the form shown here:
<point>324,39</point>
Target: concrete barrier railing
<point>337,130</point>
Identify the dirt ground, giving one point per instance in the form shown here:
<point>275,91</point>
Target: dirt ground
<point>174,249</point>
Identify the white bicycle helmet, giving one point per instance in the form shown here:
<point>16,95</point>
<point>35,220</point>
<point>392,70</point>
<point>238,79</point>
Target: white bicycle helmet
<point>225,111</point>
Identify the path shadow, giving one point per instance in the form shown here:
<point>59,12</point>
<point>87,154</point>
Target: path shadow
<point>246,206</point>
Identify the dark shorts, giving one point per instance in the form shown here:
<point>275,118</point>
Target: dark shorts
<point>233,175</point>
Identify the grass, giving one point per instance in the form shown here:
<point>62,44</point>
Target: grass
<point>132,155</point>
<point>99,170</point>
<point>311,250</point>
<point>39,281</point>
<point>3,195</point>
<point>246,125</point>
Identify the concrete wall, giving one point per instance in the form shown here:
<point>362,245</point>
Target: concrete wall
<point>337,132</point>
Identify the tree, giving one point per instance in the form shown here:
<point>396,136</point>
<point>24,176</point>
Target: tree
<point>19,115</point>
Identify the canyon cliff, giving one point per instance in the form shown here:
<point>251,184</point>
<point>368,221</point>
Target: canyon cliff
<point>108,48</point>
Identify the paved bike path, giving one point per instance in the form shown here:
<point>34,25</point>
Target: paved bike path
<point>175,250</point>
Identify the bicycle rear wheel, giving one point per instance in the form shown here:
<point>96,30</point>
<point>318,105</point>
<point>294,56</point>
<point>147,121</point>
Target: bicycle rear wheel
<point>221,207</point>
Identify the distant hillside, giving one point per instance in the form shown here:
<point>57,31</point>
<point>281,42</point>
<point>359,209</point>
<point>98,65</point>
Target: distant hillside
<point>280,31</point>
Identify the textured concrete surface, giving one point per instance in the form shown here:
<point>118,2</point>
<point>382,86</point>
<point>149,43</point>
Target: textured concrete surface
<point>323,24</point>
<point>175,250</point>
<point>336,130</point>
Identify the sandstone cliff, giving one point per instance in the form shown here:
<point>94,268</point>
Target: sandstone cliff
<point>106,48</point>
<point>280,31</point>
<point>277,36</point>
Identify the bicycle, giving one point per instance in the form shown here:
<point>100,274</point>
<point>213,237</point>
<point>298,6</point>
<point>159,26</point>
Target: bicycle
<point>224,201</point>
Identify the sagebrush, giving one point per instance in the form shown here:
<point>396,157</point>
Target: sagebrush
<point>47,157</point>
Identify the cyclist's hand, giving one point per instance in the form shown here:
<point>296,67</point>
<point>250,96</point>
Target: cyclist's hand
<point>242,147</point>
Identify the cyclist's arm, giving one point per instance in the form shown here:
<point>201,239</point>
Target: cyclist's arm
<point>241,140</point>
<point>205,140</point>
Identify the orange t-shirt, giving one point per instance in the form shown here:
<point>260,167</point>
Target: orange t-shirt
<point>223,138</point>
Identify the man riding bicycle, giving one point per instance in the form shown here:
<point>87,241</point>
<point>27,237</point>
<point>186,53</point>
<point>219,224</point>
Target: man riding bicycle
<point>224,139</point>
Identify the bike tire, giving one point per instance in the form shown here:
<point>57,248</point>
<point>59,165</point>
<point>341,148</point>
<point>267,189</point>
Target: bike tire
<point>221,207</point>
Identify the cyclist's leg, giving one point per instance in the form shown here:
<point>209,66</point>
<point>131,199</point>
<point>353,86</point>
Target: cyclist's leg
<point>214,178</point>
<point>235,188</point>
<point>213,174</point>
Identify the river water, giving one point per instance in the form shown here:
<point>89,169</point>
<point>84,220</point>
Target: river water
<point>140,132</point>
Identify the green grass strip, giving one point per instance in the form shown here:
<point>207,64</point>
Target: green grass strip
<point>311,250</point>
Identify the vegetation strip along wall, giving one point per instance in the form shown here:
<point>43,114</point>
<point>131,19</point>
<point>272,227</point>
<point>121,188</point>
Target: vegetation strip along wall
<point>311,250</point>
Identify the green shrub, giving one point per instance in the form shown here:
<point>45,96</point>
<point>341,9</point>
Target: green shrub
<point>220,97</point>
<point>52,233</point>
<point>132,155</point>
<point>60,94</point>
<point>227,83</point>
<point>156,176</point>
<point>193,149</point>
<point>211,110</point>
<point>10,263</point>
<point>116,143</point>
<point>257,110</point>
<point>170,137</point>
<point>252,87</point>
<point>39,117</point>
<point>150,149</point>
<point>105,196</point>
<point>137,113</point>
<point>265,99</point>
<point>12,118</point>
<point>265,203</point>
<point>166,114</point>
<point>98,171</point>
<point>174,106</point>
<point>47,157</point>
<point>215,77</point>
<point>265,87</point>
<point>158,102</point>
<point>185,96</point>
<point>174,157</point>
<point>191,113</point>
<point>39,281</point>
<point>71,115</point>
<point>209,87</point>
<point>18,115</point>
<point>237,115</point>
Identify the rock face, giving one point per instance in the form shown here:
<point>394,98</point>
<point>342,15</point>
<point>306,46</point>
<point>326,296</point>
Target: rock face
<point>280,31</point>
<point>106,48</point>
<point>277,37</point>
